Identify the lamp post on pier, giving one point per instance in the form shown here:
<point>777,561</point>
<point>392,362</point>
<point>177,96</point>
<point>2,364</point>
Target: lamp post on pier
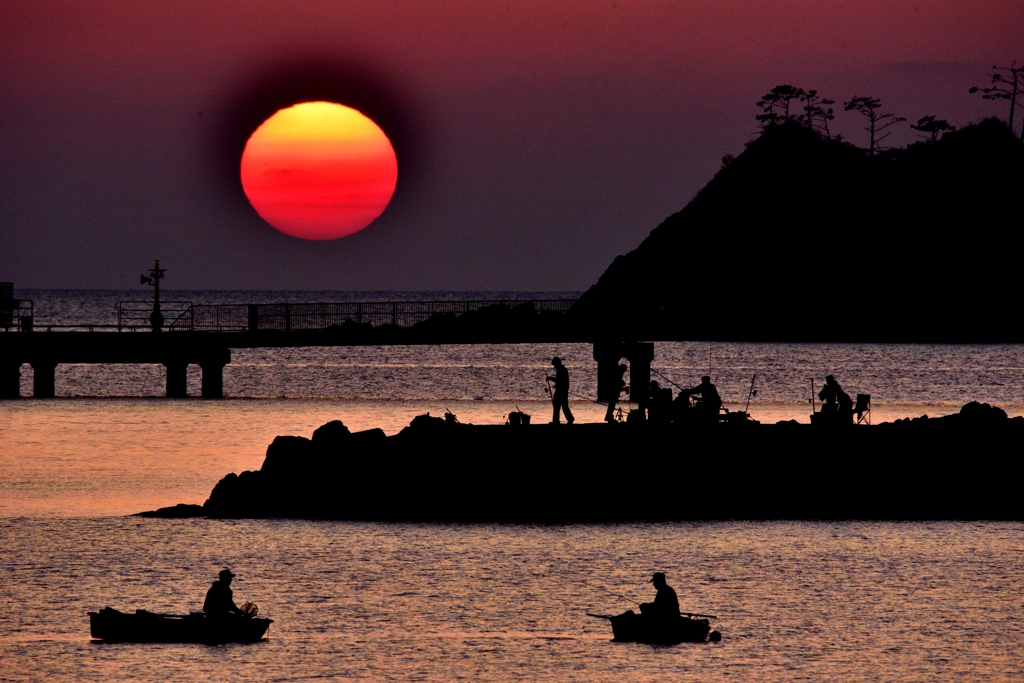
<point>156,273</point>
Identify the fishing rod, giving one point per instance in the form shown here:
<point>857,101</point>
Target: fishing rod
<point>751,392</point>
<point>587,398</point>
<point>681,388</point>
<point>547,390</point>
<point>619,595</point>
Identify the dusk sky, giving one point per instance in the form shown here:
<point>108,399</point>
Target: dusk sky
<point>535,140</point>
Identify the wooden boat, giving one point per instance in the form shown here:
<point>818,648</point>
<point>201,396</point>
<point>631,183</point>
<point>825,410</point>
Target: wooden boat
<point>114,626</point>
<point>630,627</point>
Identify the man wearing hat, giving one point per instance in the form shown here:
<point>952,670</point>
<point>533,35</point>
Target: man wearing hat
<point>220,599</point>
<point>560,396</point>
<point>666,604</point>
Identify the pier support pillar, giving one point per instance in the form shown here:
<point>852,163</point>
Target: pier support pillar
<point>10,380</point>
<point>177,380</point>
<point>639,355</point>
<point>44,378</point>
<point>213,380</point>
<point>213,372</point>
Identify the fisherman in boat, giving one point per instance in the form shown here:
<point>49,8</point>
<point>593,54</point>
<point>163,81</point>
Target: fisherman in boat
<point>620,386</point>
<point>666,604</point>
<point>219,601</point>
<point>709,403</point>
<point>560,396</point>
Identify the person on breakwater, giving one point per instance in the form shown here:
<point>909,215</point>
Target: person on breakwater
<point>709,403</point>
<point>834,399</point>
<point>666,604</point>
<point>560,396</point>
<point>220,598</point>
<point>620,386</point>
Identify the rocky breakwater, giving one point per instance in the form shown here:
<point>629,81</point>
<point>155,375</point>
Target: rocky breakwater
<point>962,466</point>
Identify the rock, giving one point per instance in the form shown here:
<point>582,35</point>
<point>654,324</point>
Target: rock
<point>425,423</point>
<point>179,511</point>
<point>981,413</point>
<point>238,495</point>
<point>331,436</point>
<point>288,454</point>
<point>436,472</point>
<point>368,438</point>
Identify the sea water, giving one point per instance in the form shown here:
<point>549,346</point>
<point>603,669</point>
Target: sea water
<point>794,601</point>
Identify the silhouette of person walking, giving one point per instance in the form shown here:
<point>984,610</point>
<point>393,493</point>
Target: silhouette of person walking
<point>220,598</point>
<point>560,396</point>
<point>613,399</point>
<point>666,604</point>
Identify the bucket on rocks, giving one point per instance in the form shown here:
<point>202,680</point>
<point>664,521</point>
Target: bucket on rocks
<point>517,418</point>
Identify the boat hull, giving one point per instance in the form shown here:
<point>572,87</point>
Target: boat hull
<point>630,627</point>
<point>113,626</point>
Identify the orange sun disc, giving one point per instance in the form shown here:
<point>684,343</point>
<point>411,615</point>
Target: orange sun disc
<point>319,171</point>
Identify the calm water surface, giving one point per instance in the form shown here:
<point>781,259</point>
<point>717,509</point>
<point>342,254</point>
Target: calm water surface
<point>796,601</point>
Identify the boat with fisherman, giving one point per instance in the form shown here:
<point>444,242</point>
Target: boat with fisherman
<point>221,621</point>
<point>660,622</point>
<point>114,626</point>
<point>630,627</point>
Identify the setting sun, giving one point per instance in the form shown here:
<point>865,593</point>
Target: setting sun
<point>319,171</point>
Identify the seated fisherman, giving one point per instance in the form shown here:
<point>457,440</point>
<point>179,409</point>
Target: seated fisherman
<point>710,403</point>
<point>666,604</point>
<point>829,395</point>
<point>220,598</point>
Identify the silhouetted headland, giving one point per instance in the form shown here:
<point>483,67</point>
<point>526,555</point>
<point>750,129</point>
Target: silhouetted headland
<point>803,238</point>
<point>961,466</point>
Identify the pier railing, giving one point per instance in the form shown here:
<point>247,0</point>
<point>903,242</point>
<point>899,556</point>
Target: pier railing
<point>289,317</point>
<point>16,315</point>
<point>133,316</point>
<point>184,316</point>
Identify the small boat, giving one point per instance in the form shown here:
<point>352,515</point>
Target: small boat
<point>114,626</point>
<point>630,627</point>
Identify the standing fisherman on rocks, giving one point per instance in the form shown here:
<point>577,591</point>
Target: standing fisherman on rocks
<point>620,386</point>
<point>560,396</point>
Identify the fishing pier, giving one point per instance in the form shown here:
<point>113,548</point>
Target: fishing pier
<point>177,334</point>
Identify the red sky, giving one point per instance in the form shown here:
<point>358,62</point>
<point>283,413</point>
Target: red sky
<point>549,136</point>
